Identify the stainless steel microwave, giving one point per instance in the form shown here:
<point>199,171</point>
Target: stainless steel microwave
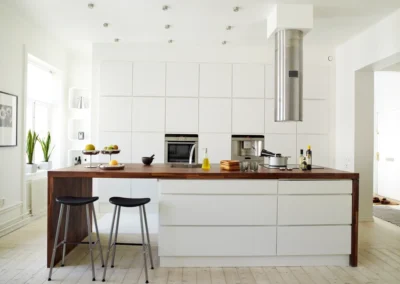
<point>179,146</point>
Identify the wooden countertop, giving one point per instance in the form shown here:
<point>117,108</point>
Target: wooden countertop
<point>163,171</point>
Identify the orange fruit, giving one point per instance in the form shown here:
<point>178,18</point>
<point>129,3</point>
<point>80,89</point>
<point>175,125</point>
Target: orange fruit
<point>113,163</point>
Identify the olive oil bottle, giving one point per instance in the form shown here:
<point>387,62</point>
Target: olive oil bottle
<point>309,158</point>
<point>206,162</point>
<point>301,158</point>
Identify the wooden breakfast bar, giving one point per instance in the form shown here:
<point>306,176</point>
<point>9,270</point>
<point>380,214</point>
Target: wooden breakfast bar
<point>289,217</point>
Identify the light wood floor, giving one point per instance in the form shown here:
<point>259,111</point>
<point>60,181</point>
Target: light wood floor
<point>23,258</point>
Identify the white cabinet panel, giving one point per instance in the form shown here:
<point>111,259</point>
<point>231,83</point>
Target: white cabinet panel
<point>284,144</point>
<point>314,240</point>
<point>116,78</point>
<point>217,241</point>
<point>182,115</point>
<point>147,144</point>
<point>109,187</point>
<point>316,82</point>
<point>144,188</point>
<point>276,127</point>
<point>149,79</point>
<point>248,116</point>
<point>314,210</point>
<point>248,80</point>
<point>115,114</point>
<point>218,147</point>
<point>315,117</point>
<point>219,187</point>
<point>201,210</point>
<point>122,139</point>
<point>148,114</point>
<point>182,79</point>
<point>319,146</point>
<point>315,187</point>
<point>215,115</point>
<point>215,80</point>
<point>269,81</point>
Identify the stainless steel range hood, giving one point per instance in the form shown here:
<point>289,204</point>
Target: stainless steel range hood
<point>289,75</point>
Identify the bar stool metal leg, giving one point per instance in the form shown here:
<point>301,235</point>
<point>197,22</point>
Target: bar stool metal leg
<point>98,236</point>
<point>148,237</point>
<point>65,236</point>
<point>109,244</point>
<point>56,240</point>
<point>143,244</point>
<point>116,236</point>
<point>90,240</point>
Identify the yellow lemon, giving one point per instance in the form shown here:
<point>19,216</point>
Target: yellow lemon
<point>90,147</point>
<point>113,163</point>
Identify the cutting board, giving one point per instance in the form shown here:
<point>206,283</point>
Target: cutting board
<point>230,165</point>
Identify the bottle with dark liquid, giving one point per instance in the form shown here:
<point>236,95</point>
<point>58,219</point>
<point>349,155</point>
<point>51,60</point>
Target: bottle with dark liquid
<point>309,158</point>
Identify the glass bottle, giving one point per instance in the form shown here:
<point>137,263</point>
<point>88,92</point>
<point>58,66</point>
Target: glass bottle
<point>206,162</point>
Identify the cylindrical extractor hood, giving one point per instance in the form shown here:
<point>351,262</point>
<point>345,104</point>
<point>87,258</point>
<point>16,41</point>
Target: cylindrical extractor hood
<point>288,75</point>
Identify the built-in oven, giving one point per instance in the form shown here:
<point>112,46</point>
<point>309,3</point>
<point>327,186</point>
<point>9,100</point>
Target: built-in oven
<point>179,148</point>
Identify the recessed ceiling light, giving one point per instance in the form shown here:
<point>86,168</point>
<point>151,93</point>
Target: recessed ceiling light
<point>90,5</point>
<point>106,25</point>
<point>236,9</point>
<point>167,27</point>
<point>228,28</point>
<point>224,42</point>
<point>116,40</point>
<point>165,7</point>
<point>170,41</point>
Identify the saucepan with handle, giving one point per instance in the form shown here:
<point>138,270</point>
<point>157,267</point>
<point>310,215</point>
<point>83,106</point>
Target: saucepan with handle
<point>275,160</point>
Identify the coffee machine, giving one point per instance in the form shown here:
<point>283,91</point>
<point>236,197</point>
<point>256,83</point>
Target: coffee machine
<point>247,147</point>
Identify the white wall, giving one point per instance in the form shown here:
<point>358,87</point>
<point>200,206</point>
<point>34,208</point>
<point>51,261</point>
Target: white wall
<point>377,46</point>
<point>127,78</point>
<point>18,38</point>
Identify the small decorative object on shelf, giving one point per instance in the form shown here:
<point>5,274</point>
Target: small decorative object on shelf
<point>8,119</point>
<point>45,144</point>
<point>110,150</point>
<point>90,150</point>
<point>81,135</point>
<point>30,150</point>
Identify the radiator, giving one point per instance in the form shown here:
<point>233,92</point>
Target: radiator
<point>38,195</point>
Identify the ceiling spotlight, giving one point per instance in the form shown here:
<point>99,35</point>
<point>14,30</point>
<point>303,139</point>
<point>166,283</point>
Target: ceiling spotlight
<point>116,40</point>
<point>224,42</point>
<point>90,5</point>
<point>106,25</point>
<point>170,41</point>
<point>165,8</point>
<point>167,27</point>
<point>228,28</point>
<point>236,9</point>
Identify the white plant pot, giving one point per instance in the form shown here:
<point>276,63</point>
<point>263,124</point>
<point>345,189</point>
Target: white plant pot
<point>31,168</point>
<point>46,165</point>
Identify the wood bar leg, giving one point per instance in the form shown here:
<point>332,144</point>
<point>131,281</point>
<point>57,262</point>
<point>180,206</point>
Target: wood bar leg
<point>80,187</point>
<point>354,224</point>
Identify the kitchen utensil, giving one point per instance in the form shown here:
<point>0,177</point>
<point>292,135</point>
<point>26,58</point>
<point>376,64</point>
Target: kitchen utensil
<point>147,160</point>
<point>230,165</point>
<point>275,160</point>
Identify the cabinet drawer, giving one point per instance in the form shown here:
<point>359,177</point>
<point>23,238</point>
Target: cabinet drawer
<point>315,187</point>
<point>217,210</point>
<point>218,186</point>
<point>315,240</point>
<point>217,241</point>
<point>314,209</point>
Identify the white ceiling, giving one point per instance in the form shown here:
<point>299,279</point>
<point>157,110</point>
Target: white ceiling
<point>195,21</point>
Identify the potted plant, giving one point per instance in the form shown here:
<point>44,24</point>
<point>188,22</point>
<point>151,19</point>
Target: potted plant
<point>45,144</point>
<point>30,149</point>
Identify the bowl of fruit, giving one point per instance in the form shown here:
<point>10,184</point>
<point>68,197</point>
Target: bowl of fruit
<point>90,149</point>
<point>111,149</point>
<point>112,165</point>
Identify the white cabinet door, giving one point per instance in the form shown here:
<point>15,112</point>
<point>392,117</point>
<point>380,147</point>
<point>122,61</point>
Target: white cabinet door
<point>248,80</point>
<point>149,79</point>
<point>215,115</point>
<point>115,114</point>
<point>147,144</point>
<point>248,116</point>
<point>319,146</point>
<point>276,127</point>
<point>217,241</point>
<point>269,81</point>
<point>122,139</point>
<point>315,187</point>
<point>182,115</point>
<point>284,144</point>
<point>116,78</point>
<point>314,240</point>
<point>148,114</point>
<point>316,82</point>
<point>218,146</point>
<point>109,187</point>
<point>315,117</point>
<point>216,80</point>
<point>144,188</point>
<point>182,79</point>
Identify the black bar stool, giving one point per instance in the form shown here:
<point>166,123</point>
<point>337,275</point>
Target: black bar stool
<point>76,201</point>
<point>129,202</point>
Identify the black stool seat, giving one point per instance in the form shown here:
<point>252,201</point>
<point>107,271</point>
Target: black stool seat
<point>76,201</point>
<point>129,202</point>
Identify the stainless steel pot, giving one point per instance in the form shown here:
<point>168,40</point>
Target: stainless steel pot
<point>275,160</point>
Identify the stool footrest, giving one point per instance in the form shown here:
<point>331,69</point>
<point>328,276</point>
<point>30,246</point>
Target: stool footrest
<point>129,244</point>
<point>76,243</point>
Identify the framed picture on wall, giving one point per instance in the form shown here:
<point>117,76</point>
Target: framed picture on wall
<point>8,119</point>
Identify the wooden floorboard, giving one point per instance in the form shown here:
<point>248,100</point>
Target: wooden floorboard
<point>23,260</point>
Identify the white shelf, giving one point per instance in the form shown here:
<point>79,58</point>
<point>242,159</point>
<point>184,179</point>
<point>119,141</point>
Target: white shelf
<point>78,125</point>
<point>74,97</point>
